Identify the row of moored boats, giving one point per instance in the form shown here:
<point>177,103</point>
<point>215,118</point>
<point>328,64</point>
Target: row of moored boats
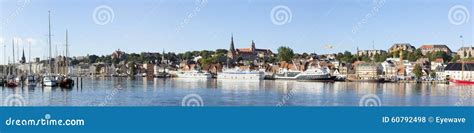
<point>312,74</point>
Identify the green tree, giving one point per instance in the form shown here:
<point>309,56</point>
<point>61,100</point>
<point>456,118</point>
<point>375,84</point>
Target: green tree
<point>455,59</point>
<point>206,53</point>
<point>270,59</point>
<point>365,58</point>
<point>381,57</point>
<point>92,59</point>
<point>433,74</point>
<point>132,68</point>
<point>285,54</point>
<point>346,57</point>
<point>418,71</point>
<point>221,51</point>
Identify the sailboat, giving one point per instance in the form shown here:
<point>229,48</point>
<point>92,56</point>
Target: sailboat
<point>11,80</point>
<point>66,82</point>
<point>30,78</point>
<point>49,79</point>
<point>3,78</point>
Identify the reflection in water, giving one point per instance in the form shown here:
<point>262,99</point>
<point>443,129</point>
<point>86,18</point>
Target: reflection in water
<point>169,92</point>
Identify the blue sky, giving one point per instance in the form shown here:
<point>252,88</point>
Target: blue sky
<point>181,25</point>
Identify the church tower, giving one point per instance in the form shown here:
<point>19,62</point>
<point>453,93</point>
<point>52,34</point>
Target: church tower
<point>253,46</point>
<point>232,54</point>
<point>23,59</point>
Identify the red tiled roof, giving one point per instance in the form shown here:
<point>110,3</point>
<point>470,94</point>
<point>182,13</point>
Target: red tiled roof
<point>243,50</point>
<point>426,46</point>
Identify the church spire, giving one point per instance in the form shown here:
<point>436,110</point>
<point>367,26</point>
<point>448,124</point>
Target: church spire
<point>232,48</point>
<point>23,59</point>
<point>253,46</point>
<point>231,54</point>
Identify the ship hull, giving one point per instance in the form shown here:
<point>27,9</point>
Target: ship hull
<point>194,76</point>
<point>230,76</point>
<point>315,78</point>
<point>461,82</point>
<point>66,83</point>
<point>367,80</point>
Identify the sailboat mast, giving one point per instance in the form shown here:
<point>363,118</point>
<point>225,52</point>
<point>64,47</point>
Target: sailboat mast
<point>67,63</point>
<point>29,58</point>
<point>5,58</point>
<point>13,48</point>
<point>49,40</point>
<point>462,60</point>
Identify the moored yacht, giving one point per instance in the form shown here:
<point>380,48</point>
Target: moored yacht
<point>312,74</point>
<point>193,75</point>
<point>12,81</point>
<point>287,74</point>
<point>30,80</point>
<point>316,74</point>
<point>50,80</point>
<point>65,81</point>
<point>238,74</point>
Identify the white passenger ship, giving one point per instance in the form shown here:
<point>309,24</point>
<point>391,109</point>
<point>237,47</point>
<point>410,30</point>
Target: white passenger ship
<point>238,74</point>
<point>193,75</point>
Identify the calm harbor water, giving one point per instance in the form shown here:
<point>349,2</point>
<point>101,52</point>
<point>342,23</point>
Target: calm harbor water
<point>171,92</point>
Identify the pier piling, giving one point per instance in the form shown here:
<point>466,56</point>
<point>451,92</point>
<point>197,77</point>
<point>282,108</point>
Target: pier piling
<point>81,82</point>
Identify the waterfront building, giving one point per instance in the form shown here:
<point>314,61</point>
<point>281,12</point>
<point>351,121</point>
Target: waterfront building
<point>83,69</point>
<point>158,69</point>
<point>401,47</point>
<point>335,63</point>
<point>370,53</point>
<point>99,69</point>
<point>466,52</point>
<point>148,69</point>
<point>213,68</point>
<point>249,54</point>
<point>455,71</point>
<point>187,65</point>
<point>403,67</point>
<point>440,73</point>
<point>435,48</point>
<point>390,69</point>
<point>437,62</point>
<point>36,68</point>
<point>344,69</point>
<point>368,70</point>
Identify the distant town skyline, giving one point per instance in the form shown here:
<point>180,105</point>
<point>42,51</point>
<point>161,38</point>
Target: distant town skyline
<point>101,27</point>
